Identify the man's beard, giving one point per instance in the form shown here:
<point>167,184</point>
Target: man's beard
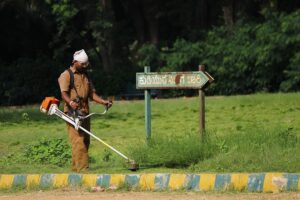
<point>82,70</point>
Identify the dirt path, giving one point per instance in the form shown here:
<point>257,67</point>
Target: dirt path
<point>66,195</point>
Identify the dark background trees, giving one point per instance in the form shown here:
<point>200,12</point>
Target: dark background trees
<point>249,46</point>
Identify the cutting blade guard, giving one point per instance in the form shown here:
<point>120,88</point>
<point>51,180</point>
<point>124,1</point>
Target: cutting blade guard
<point>132,165</point>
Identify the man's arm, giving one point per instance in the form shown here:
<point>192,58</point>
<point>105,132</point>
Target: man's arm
<point>67,99</point>
<point>98,99</point>
<point>64,84</point>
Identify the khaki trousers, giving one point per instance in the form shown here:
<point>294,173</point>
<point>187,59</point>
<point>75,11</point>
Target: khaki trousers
<point>80,142</point>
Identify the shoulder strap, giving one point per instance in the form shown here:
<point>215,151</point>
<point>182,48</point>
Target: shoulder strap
<point>71,86</point>
<point>87,76</point>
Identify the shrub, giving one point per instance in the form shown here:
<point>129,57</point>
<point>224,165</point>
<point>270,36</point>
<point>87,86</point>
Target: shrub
<point>48,151</point>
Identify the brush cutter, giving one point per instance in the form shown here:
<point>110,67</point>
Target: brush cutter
<point>50,107</point>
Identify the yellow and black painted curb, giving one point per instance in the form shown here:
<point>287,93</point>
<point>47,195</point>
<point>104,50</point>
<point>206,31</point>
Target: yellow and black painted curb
<point>247,182</point>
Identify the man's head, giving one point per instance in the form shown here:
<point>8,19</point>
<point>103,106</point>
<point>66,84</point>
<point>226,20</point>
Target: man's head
<point>80,60</point>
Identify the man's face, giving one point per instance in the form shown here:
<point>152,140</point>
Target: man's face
<point>80,66</point>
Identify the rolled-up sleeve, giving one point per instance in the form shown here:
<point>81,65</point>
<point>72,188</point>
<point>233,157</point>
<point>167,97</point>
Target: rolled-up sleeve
<point>64,82</point>
<point>91,89</point>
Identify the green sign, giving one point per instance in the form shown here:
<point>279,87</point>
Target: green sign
<point>171,80</point>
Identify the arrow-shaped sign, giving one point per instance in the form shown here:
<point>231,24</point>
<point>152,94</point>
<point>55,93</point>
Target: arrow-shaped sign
<point>172,80</point>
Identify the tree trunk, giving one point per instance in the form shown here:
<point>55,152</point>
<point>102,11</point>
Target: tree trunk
<point>106,59</point>
<point>150,9</point>
<point>201,14</point>
<point>135,11</point>
<point>106,47</point>
<point>228,14</point>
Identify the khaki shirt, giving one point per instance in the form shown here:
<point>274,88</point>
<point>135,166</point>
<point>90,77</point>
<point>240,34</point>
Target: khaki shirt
<point>83,85</point>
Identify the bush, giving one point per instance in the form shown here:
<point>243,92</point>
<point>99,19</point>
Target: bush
<point>44,151</point>
<point>292,73</point>
<point>48,151</point>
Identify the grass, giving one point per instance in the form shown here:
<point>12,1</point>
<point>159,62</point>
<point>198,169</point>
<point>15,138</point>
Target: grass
<point>257,151</point>
<point>252,133</point>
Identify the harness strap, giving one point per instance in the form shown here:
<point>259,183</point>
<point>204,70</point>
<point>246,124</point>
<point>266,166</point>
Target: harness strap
<point>71,86</point>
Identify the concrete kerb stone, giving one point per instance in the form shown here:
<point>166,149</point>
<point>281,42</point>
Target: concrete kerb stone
<point>243,182</point>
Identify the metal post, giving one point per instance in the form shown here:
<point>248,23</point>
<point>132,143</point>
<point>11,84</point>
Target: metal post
<point>202,107</point>
<point>147,110</point>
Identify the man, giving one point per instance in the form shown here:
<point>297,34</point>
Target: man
<point>76,90</point>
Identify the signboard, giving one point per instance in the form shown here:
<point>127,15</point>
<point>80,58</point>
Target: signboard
<point>171,80</point>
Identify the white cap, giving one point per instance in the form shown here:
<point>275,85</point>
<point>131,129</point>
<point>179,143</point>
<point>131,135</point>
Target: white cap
<point>80,56</point>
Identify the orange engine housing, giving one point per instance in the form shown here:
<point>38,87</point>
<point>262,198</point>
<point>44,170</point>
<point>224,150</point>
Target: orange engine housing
<point>47,103</point>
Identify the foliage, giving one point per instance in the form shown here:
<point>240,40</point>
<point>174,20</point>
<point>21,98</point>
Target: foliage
<point>259,51</point>
<point>48,151</point>
<point>291,27</point>
<point>27,80</point>
<point>292,73</point>
<point>183,55</point>
<point>148,55</point>
<point>45,151</point>
<point>254,57</point>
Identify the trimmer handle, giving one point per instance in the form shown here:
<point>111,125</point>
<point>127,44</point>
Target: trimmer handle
<point>89,115</point>
<point>108,106</point>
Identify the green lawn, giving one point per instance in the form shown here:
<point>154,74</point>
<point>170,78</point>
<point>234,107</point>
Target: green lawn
<point>251,133</point>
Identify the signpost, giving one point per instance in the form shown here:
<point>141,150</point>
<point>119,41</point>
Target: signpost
<point>147,109</point>
<point>173,80</point>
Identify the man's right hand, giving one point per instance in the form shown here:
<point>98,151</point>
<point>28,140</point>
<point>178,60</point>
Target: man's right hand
<point>74,105</point>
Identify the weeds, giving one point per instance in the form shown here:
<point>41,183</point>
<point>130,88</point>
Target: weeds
<point>179,151</point>
<point>256,150</point>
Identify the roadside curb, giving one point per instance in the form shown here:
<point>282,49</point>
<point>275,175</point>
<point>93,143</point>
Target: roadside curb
<point>244,182</point>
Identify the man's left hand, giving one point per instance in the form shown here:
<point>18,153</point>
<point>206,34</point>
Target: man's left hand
<point>108,104</point>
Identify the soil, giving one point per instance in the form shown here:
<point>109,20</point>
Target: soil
<point>83,195</point>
